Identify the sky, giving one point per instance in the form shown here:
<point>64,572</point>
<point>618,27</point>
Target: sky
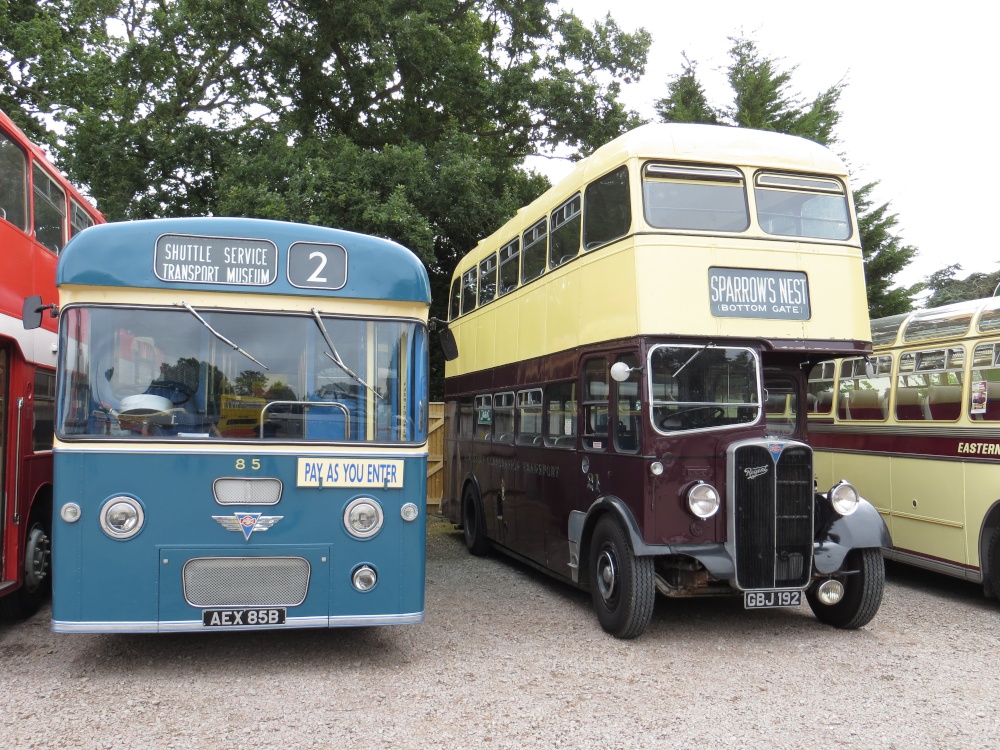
<point>914,106</point>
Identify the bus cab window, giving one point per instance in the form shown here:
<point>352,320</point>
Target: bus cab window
<point>628,408</point>
<point>595,404</point>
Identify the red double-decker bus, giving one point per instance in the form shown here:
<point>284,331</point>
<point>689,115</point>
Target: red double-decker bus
<point>39,212</point>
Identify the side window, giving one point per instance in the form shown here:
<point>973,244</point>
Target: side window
<point>566,221</point>
<point>560,415</point>
<point>78,219</point>
<point>50,210</point>
<point>535,248</point>
<point>780,406</point>
<point>820,387</point>
<point>469,290</point>
<point>595,404</point>
<point>484,417</point>
<point>466,418</point>
<point>607,209</point>
<point>864,395</point>
<point>628,408</point>
<point>45,409</point>
<point>455,306</point>
<point>929,384</point>
<point>984,401</point>
<point>529,417</point>
<point>13,183</point>
<point>503,418</point>
<point>487,279</point>
<point>509,268</point>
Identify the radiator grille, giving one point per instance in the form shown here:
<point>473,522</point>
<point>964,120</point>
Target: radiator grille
<point>246,581</point>
<point>245,491</point>
<point>773,517</point>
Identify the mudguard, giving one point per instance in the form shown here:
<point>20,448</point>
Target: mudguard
<point>863,528</point>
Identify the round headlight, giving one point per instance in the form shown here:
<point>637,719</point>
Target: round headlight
<point>364,578</point>
<point>409,512</point>
<point>703,500</point>
<point>363,517</point>
<point>844,498</point>
<point>121,517</point>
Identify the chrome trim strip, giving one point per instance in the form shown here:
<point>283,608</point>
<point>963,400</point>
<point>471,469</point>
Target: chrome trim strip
<point>938,566</point>
<point>231,448</point>
<point>192,626</point>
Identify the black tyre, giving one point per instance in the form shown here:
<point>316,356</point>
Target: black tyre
<point>37,580</point>
<point>993,557</point>
<point>622,585</point>
<point>473,523</point>
<point>862,592</point>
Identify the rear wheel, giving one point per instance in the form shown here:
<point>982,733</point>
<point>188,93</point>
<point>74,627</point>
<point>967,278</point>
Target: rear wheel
<point>993,556</point>
<point>622,585</point>
<point>37,568</point>
<point>473,522</point>
<point>862,592</point>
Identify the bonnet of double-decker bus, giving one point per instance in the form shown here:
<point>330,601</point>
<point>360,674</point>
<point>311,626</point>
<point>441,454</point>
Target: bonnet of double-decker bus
<point>176,373</point>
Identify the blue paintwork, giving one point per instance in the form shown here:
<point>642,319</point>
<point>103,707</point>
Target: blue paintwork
<point>103,584</point>
<point>120,254</point>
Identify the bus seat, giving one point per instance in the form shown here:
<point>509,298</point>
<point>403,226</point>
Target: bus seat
<point>944,401</point>
<point>865,405</point>
<point>824,403</point>
<point>909,404</point>
<point>992,402</point>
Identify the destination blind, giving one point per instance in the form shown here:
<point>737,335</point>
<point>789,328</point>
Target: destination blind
<point>215,260</point>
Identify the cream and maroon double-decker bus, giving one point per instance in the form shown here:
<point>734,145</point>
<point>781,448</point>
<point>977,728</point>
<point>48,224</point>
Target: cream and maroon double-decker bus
<point>618,342</point>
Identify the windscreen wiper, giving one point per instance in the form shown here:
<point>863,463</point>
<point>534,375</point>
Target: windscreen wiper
<point>691,359</point>
<point>334,355</point>
<point>219,336</point>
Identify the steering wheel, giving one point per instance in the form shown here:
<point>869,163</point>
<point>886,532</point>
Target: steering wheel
<point>699,421</point>
<point>178,392</point>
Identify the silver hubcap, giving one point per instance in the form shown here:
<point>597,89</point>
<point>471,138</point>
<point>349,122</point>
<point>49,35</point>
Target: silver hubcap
<point>607,574</point>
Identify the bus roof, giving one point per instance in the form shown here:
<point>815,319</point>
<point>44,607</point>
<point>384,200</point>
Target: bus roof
<point>122,255</point>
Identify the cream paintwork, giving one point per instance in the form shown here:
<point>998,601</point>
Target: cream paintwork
<point>655,283</point>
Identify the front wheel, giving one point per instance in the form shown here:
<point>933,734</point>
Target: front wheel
<point>36,582</point>
<point>622,585</point>
<point>993,556</point>
<point>862,592</point>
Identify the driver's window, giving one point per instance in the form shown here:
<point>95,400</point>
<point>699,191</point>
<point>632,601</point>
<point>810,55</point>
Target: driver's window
<point>595,404</point>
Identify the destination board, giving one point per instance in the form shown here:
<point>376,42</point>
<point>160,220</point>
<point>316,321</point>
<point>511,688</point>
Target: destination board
<point>195,259</point>
<point>755,293</point>
<point>315,265</point>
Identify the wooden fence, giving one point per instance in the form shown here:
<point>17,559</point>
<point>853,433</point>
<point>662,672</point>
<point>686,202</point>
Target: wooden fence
<point>435,458</point>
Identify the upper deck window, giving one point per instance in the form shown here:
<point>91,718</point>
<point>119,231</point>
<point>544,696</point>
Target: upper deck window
<point>566,221</point>
<point>607,209</point>
<point>455,306</point>
<point>700,387</point>
<point>884,330</point>
<point>802,206</point>
<point>487,279</point>
<point>13,183</point>
<point>700,198</point>
<point>50,210</point>
<point>509,267</point>
<point>469,279</point>
<point>938,323</point>
<point>78,219</point>
<point>535,250</point>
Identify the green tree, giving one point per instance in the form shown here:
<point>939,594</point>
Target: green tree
<point>762,99</point>
<point>946,288</point>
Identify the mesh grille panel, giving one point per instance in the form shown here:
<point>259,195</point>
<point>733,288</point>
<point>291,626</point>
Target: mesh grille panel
<point>246,581</point>
<point>774,517</point>
<point>240,491</point>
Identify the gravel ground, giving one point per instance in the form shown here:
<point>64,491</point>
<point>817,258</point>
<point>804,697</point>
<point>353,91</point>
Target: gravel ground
<point>508,658</point>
